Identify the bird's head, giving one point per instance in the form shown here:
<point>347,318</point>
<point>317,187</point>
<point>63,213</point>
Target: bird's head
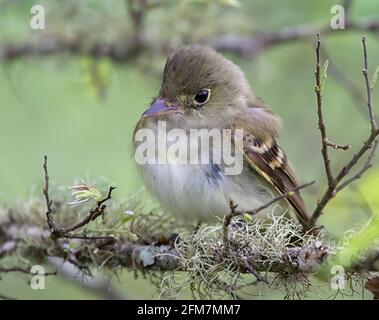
<point>199,87</point>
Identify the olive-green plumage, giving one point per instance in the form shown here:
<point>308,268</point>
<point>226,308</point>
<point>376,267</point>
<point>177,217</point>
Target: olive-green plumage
<point>202,89</point>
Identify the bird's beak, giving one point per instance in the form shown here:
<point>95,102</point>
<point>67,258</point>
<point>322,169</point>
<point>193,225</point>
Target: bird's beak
<point>160,107</point>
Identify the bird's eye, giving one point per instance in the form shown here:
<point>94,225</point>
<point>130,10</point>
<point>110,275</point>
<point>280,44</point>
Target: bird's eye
<point>202,97</point>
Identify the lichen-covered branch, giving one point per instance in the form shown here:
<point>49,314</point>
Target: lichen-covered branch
<point>266,246</point>
<point>125,253</point>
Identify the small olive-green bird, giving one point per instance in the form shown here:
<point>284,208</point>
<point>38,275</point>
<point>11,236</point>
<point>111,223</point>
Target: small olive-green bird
<point>203,90</point>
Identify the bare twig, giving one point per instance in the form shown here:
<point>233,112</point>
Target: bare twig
<point>49,203</point>
<point>321,124</point>
<point>337,183</point>
<point>337,146</point>
<point>66,232</point>
<point>93,214</point>
<point>367,165</point>
<point>371,111</point>
<point>233,212</point>
<point>286,195</point>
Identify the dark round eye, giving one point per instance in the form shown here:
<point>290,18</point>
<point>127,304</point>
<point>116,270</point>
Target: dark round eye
<point>202,96</point>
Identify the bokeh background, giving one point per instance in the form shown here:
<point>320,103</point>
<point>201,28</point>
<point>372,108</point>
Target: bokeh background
<point>80,109</point>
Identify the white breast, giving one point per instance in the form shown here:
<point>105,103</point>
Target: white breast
<point>198,193</point>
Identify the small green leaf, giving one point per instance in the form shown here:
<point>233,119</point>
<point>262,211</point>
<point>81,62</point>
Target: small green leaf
<point>324,74</point>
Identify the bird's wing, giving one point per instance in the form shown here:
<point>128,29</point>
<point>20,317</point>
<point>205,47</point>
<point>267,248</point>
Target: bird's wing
<point>270,162</point>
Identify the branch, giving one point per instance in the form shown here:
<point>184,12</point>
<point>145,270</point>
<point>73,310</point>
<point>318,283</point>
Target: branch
<point>321,125</point>
<point>260,41</point>
<point>154,257</point>
<point>164,257</point>
<point>275,200</point>
<point>234,213</point>
<point>119,52</point>
<point>366,166</point>
<point>93,214</point>
<point>371,111</point>
<point>57,232</point>
<point>341,180</point>
<point>49,203</point>
<point>337,146</point>
<point>128,47</point>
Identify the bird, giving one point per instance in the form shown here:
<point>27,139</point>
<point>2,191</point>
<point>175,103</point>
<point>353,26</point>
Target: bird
<point>203,90</point>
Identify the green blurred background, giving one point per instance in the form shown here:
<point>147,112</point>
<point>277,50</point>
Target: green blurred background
<point>52,104</point>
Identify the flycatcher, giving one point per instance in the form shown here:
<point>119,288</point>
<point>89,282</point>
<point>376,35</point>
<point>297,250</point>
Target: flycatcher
<point>201,90</point>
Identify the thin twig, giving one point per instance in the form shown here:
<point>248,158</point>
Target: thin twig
<point>321,123</point>
<point>49,203</point>
<point>84,237</point>
<point>371,111</point>
<point>286,195</point>
<point>233,212</point>
<point>369,144</point>
<point>66,232</point>
<point>93,214</point>
<point>337,146</point>
<point>227,220</point>
<point>366,166</point>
